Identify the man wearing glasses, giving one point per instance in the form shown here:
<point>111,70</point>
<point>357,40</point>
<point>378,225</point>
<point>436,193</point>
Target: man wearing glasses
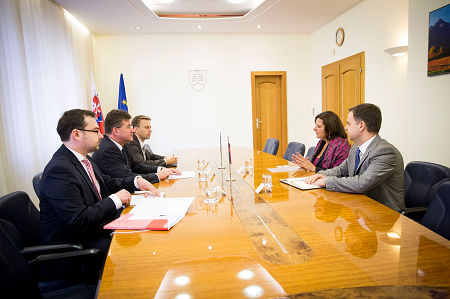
<point>76,198</point>
<point>115,159</point>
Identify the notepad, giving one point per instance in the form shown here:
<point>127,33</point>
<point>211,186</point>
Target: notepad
<point>153,214</point>
<point>299,183</point>
<point>184,175</point>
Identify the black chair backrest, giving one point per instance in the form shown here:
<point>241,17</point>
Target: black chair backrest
<point>17,279</point>
<point>294,147</point>
<point>271,147</point>
<point>36,181</point>
<point>437,217</point>
<point>422,179</point>
<point>310,152</point>
<point>19,219</point>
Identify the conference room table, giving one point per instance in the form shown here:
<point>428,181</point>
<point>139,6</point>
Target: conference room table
<point>283,242</point>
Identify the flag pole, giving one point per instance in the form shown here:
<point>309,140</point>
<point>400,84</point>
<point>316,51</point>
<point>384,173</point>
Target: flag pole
<point>229,161</point>
<point>221,163</point>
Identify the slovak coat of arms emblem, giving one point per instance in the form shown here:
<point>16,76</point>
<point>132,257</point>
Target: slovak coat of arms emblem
<point>197,79</point>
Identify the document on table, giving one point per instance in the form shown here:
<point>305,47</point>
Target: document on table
<point>139,196</point>
<point>184,175</point>
<point>153,214</point>
<point>285,168</point>
<point>299,183</point>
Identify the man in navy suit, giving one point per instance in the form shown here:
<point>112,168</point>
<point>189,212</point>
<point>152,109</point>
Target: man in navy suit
<point>76,199</point>
<point>114,157</point>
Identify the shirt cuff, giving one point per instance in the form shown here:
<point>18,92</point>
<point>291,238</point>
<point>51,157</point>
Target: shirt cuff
<point>165,161</point>
<point>135,181</point>
<point>116,201</point>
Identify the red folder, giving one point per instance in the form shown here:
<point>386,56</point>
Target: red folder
<point>149,224</point>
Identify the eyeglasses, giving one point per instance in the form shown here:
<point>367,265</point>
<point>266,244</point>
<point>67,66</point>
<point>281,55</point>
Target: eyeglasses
<point>93,131</point>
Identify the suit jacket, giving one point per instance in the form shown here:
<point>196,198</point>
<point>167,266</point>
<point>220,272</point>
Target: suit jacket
<point>337,152</point>
<point>379,175</point>
<point>150,158</point>
<point>112,162</point>
<point>70,210</point>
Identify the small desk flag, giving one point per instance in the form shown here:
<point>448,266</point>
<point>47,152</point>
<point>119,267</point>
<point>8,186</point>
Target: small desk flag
<point>123,104</point>
<point>96,108</point>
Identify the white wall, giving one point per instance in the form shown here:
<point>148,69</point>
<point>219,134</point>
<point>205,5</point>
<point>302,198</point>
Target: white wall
<point>428,101</point>
<point>371,26</point>
<point>155,69</point>
<point>415,108</point>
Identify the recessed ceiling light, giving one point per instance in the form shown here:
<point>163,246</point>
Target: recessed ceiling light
<point>199,26</point>
<point>235,1</point>
<point>138,27</point>
<point>259,26</point>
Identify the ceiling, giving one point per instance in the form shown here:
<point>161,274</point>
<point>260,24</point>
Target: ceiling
<point>273,16</point>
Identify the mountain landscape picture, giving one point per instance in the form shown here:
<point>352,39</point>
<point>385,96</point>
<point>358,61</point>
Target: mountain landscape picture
<point>439,42</point>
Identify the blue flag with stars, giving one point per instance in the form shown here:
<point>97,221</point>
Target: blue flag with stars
<point>123,104</point>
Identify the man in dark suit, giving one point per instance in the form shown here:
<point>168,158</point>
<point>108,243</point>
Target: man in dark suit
<point>143,130</point>
<point>75,197</point>
<point>374,167</point>
<point>114,157</point>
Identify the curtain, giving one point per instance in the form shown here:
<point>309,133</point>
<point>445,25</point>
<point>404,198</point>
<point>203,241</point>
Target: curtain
<point>45,64</point>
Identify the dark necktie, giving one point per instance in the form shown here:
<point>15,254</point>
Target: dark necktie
<point>357,160</point>
<point>124,153</point>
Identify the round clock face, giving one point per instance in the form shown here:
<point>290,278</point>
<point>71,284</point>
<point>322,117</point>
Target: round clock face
<point>339,37</point>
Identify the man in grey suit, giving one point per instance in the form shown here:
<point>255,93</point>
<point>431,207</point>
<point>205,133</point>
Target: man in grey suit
<point>374,167</point>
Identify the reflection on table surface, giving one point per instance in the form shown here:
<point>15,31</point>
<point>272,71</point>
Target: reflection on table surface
<point>360,246</point>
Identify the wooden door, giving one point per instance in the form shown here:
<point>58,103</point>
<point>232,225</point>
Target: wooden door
<point>269,108</point>
<point>343,85</point>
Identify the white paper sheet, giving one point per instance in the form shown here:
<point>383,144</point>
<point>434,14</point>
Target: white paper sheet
<point>300,183</point>
<point>135,199</point>
<point>285,169</point>
<point>184,175</point>
<point>172,209</point>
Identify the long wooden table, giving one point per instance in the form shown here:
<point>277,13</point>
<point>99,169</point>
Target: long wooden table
<point>283,243</point>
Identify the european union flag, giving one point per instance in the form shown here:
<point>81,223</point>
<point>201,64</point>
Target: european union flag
<point>123,104</point>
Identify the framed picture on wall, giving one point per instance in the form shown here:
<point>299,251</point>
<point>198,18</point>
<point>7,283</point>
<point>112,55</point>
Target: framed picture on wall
<point>439,42</point>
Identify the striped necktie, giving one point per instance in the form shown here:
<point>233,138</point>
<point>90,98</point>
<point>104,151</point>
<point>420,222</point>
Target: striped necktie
<point>91,175</point>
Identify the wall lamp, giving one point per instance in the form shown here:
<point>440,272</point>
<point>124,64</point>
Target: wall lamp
<point>397,51</point>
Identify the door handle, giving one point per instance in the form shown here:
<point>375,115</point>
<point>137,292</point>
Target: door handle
<point>257,123</point>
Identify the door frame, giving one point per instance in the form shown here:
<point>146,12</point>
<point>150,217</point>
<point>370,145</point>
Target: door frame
<point>283,137</point>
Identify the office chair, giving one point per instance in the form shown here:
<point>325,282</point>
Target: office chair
<point>36,181</point>
<point>147,147</point>
<point>19,222</point>
<point>271,147</point>
<point>18,278</point>
<point>437,217</point>
<point>310,153</point>
<point>294,147</point>
<point>422,179</point>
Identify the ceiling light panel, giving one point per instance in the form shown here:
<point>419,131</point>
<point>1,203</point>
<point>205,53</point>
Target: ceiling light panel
<point>201,8</point>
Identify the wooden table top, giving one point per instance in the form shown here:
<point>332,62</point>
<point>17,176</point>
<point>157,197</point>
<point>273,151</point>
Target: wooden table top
<point>284,243</point>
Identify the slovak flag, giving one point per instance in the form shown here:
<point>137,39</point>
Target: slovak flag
<point>96,108</point>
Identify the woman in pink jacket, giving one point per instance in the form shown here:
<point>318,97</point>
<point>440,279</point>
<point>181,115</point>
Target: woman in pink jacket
<point>333,146</point>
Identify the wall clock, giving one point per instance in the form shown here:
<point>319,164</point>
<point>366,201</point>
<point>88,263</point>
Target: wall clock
<point>339,37</point>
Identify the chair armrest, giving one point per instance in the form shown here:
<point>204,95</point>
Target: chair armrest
<point>93,252</point>
<point>32,252</point>
<point>407,211</point>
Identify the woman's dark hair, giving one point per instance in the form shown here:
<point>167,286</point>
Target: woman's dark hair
<point>333,125</point>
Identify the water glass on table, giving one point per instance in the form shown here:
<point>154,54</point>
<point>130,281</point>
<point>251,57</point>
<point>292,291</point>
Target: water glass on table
<point>202,177</point>
<point>267,180</point>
